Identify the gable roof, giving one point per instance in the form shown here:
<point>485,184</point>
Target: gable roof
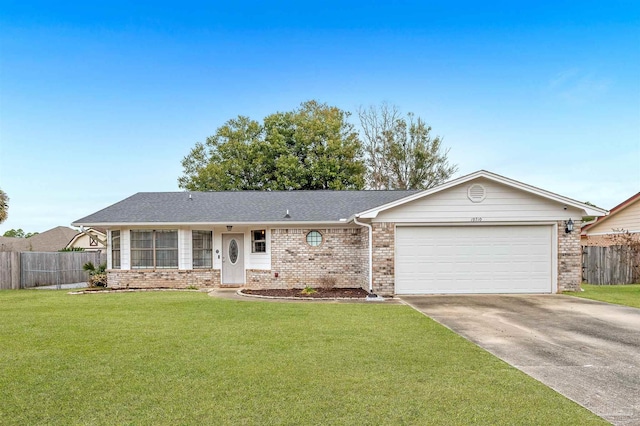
<point>91,232</point>
<point>230,207</point>
<point>588,210</point>
<point>614,211</point>
<point>53,239</point>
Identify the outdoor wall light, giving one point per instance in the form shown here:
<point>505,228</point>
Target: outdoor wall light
<point>229,227</point>
<point>568,226</point>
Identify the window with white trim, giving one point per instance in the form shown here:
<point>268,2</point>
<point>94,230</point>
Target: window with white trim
<point>115,249</point>
<point>259,241</point>
<point>202,249</point>
<point>154,249</point>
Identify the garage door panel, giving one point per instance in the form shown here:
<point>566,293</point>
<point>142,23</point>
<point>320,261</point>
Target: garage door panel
<point>478,259</point>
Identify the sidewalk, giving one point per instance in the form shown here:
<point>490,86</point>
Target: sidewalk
<point>61,286</point>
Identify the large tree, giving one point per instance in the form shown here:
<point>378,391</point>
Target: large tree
<point>311,147</point>
<point>400,151</point>
<point>4,206</point>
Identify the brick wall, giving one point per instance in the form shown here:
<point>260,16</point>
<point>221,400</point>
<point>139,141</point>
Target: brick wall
<point>163,278</point>
<point>383,258</point>
<point>597,240</point>
<point>569,258</point>
<point>341,256</point>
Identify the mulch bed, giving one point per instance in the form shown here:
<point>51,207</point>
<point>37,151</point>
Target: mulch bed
<point>355,293</point>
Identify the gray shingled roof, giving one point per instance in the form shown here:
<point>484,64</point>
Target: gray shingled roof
<point>240,206</point>
<point>53,239</point>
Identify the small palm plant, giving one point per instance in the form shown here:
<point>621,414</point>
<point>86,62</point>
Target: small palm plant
<point>97,275</point>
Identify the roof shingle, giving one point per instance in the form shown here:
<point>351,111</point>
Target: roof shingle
<point>240,206</point>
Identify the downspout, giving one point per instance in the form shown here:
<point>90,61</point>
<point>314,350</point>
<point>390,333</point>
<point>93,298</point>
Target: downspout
<point>355,220</point>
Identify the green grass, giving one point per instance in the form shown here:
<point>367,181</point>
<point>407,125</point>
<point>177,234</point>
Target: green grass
<point>186,358</point>
<point>628,295</point>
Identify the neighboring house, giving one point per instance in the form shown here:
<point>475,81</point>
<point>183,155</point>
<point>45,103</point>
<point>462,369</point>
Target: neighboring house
<point>481,233</point>
<point>625,217</point>
<point>91,239</point>
<point>7,242</point>
<point>52,240</point>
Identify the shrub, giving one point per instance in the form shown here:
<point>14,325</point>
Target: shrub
<point>629,245</point>
<point>97,276</point>
<point>93,270</point>
<point>98,280</point>
<point>327,282</point>
<point>308,291</point>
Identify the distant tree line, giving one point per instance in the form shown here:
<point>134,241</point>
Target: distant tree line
<point>19,233</point>
<point>316,147</point>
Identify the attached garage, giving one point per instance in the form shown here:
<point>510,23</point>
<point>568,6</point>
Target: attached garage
<point>481,233</point>
<point>474,259</point>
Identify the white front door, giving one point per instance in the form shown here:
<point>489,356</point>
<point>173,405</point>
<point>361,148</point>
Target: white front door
<point>233,259</point>
<point>474,259</point>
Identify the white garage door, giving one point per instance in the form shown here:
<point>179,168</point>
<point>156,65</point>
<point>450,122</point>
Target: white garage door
<point>473,259</point>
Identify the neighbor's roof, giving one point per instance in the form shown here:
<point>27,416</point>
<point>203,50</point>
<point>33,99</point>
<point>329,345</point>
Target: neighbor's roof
<point>614,211</point>
<point>239,207</point>
<point>53,239</point>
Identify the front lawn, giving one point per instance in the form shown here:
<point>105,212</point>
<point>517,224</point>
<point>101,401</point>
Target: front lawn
<point>187,358</point>
<point>620,294</point>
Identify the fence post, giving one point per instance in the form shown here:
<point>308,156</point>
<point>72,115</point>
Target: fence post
<point>15,270</point>
<point>58,286</point>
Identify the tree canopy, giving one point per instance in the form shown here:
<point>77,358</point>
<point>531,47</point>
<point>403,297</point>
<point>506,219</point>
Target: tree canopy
<point>311,147</point>
<point>18,233</point>
<point>4,206</point>
<point>315,147</point>
<point>400,151</point>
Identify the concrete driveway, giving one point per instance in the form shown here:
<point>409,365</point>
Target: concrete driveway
<point>588,351</point>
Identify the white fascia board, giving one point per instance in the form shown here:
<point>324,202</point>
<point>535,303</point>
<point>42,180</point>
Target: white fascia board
<point>587,209</point>
<point>74,239</point>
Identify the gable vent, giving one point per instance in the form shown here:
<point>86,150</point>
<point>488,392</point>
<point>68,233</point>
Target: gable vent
<point>476,193</point>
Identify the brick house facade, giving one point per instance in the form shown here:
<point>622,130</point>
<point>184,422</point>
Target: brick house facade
<point>284,257</point>
<point>341,258</point>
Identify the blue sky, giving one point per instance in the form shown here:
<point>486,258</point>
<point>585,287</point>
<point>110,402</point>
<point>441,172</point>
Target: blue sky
<point>98,102</point>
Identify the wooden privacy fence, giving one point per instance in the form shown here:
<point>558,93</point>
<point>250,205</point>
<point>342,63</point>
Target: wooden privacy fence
<point>9,275</point>
<point>33,269</point>
<point>610,265</point>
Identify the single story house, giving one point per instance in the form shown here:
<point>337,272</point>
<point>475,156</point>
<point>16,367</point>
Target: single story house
<point>625,217</point>
<point>480,233</point>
